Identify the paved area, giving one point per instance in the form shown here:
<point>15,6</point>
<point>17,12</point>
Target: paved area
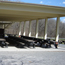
<point>32,58</point>
<point>37,56</point>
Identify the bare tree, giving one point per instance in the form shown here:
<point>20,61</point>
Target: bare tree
<point>51,28</point>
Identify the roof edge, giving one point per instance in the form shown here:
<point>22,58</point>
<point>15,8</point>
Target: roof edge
<point>32,4</point>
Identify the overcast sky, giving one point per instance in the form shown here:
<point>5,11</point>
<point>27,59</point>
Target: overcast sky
<point>47,2</point>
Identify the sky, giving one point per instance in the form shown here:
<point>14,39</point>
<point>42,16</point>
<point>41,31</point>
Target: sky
<point>47,2</point>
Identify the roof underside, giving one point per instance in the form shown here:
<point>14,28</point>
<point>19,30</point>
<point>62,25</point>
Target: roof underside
<point>12,11</point>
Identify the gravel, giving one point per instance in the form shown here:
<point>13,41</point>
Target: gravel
<point>32,58</point>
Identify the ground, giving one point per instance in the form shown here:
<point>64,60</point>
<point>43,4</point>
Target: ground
<point>41,57</point>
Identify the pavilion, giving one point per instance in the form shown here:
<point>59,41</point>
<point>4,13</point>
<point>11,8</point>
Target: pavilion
<point>18,12</point>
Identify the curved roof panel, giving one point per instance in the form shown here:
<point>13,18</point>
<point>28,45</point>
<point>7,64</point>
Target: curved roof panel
<point>13,11</point>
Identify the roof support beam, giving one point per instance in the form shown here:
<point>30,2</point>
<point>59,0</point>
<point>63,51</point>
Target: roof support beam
<point>37,23</point>
<point>30,24</point>
<point>20,29</point>
<point>3,26</point>
<point>45,32</point>
<point>24,28</point>
<point>57,29</point>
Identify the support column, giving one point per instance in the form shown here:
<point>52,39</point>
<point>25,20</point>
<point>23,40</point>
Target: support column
<point>57,29</point>
<point>24,28</point>
<point>30,24</point>
<point>37,23</point>
<point>45,32</point>
<point>3,26</point>
<point>20,29</point>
